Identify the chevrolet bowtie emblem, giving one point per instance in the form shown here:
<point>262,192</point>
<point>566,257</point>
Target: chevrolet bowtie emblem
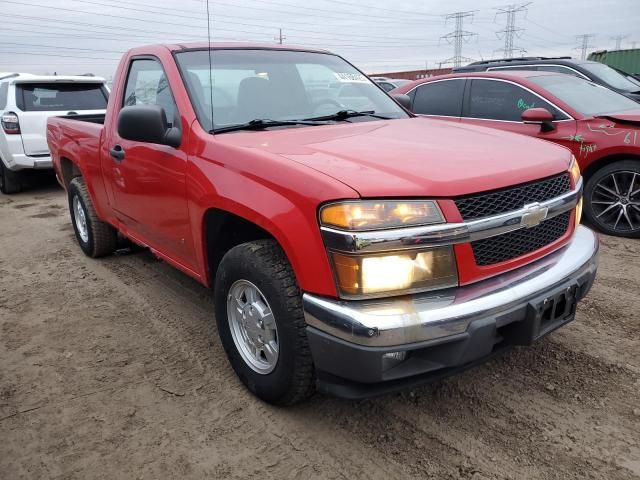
<point>533,215</point>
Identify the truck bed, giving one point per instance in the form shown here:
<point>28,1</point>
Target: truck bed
<point>92,118</point>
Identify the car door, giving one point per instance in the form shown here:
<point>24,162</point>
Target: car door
<point>441,99</point>
<point>499,104</point>
<point>148,180</point>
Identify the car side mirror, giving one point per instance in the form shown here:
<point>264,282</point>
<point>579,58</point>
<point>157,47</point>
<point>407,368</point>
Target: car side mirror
<point>148,124</point>
<point>403,100</point>
<point>539,116</point>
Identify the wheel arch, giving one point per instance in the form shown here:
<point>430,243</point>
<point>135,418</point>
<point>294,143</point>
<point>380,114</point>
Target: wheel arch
<point>69,170</point>
<point>602,162</point>
<point>223,229</point>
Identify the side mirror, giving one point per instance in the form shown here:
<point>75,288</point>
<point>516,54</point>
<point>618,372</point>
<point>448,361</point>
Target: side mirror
<point>403,100</point>
<point>148,124</point>
<point>539,116</point>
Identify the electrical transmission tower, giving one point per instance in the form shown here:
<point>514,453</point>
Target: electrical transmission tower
<point>457,37</point>
<point>510,31</point>
<point>618,40</point>
<point>584,44</point>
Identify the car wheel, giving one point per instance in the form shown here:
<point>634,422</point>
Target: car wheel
<point>261,325</point>
<point>95,237</point>
<point>612,199</point>
<point>9,181</point>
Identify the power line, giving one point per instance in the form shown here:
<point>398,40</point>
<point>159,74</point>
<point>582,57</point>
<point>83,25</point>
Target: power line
<point>458,36</point>
<point>510,31</point>
<point>584,45</point>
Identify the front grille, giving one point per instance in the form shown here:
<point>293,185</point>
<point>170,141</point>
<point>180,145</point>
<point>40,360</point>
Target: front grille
<point>513,198</point>
<point>520,242</point>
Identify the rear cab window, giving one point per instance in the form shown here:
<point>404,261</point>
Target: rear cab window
<point>63,97</point>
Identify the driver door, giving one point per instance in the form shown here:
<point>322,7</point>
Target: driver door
<point>148,180</point>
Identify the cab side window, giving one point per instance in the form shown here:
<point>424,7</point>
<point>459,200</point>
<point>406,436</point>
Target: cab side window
<point>497,100</point>
<point>443,98</point>
<point>147,84</point>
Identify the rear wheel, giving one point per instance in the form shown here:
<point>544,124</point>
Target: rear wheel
<point>261,324</point>
<point>612,199</point>
<point>9,180</point>
<point>95,237</point>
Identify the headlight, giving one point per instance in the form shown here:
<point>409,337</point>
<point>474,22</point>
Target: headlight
<point>578,212</point>
<point>394,273</point>
<point>376,215</point>
<point>574,170</point>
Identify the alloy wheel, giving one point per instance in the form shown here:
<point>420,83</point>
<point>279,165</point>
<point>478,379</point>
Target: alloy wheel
<point>616,201</point>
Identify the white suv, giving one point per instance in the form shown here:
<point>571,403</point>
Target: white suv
<point>26,101</point>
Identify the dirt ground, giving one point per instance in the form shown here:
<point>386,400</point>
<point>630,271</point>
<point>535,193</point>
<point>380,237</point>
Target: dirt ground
<point>113,369</point>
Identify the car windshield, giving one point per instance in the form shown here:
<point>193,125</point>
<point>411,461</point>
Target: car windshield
<point>611,77</point>
<point>279,85</point>
<point>583,96</point>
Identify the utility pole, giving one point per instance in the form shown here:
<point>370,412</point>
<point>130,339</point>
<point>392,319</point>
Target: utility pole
<point>618,40</point>
<point>510,31</point>
<point>458,36</point>
<point>584,44</point>
<point>280,37</point>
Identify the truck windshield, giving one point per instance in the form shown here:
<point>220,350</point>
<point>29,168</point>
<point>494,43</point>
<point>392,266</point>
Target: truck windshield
<point>611,77</point>
<point>278,85</point>
<point>583,96</point>
<point>60,97</point>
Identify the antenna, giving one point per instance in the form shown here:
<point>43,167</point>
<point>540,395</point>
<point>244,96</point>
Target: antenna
<point>210,63</point>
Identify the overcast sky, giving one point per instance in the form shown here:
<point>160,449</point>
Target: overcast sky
<point>80,36</point>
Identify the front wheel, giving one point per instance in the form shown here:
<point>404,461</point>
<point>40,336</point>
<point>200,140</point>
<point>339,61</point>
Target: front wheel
<point>261,324</point>
<point>95,237</point>
<point>612,199</point>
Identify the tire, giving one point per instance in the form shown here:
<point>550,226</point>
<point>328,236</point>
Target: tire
<point>96,238</point>
<point>10,182</point>
<point>612,199</point>
<point>263,265</point>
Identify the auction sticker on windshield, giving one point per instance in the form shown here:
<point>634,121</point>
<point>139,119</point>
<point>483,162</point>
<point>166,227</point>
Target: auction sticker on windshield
<point>351,77</point>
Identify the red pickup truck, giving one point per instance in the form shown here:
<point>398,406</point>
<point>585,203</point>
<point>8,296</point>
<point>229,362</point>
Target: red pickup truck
<point>352,247</point>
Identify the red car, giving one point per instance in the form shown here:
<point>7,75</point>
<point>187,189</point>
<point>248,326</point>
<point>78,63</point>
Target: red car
<point>600,126</point>
<point>351,246</point>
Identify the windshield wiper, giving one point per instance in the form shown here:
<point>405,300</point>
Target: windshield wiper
<point>346,114</point>
<point>262,123</point>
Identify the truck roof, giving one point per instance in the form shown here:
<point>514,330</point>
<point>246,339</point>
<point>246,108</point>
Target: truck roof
<point>226,46</point>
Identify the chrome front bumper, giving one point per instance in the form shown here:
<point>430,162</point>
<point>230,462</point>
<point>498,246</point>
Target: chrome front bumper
<point>435,315</point>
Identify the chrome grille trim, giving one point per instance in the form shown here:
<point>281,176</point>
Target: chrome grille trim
<point>446,233</point>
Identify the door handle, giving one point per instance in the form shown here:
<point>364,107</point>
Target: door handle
<point>117,152</point>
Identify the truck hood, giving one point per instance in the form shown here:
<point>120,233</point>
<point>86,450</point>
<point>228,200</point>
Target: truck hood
<point>412,157</point>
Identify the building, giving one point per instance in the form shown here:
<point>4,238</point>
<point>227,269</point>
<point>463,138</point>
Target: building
<point>414,74</point>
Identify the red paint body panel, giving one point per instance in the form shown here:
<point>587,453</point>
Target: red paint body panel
<point>278,179</point>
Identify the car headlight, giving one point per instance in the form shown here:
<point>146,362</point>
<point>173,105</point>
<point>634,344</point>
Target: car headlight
<point>574,170</point>
<point>376,214</point>
<point>386,273</point>
<point>394,273</point>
